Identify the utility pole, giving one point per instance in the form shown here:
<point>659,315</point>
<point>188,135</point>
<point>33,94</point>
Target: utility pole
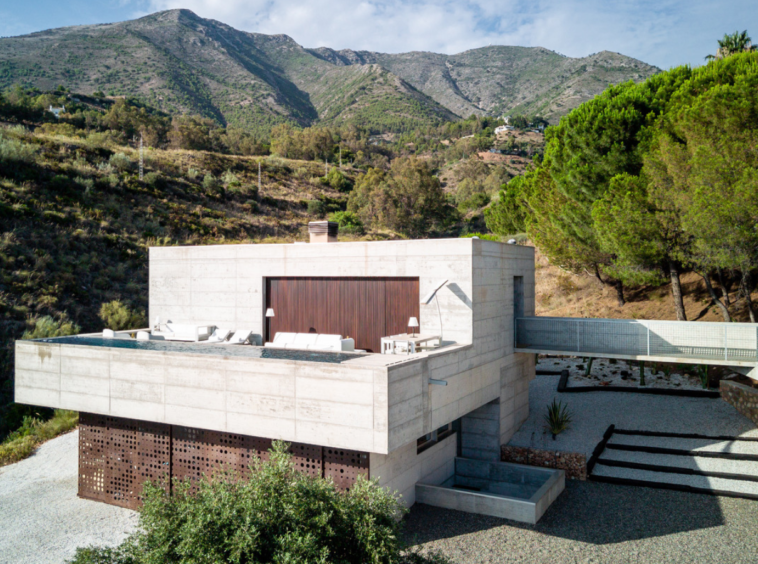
<point>340,156</point>
<point>141,158</point>
<point>259,177</point>
<point>326,167</point>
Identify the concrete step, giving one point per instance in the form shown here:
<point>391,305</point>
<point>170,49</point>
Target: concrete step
<point>683,464</point>
<point>745,447</point>
<point>686,482</point>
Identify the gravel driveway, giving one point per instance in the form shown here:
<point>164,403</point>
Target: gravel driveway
<point>599,523</point>
<point>41,518</point>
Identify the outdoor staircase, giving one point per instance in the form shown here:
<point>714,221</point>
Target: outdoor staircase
<point>715,465</point>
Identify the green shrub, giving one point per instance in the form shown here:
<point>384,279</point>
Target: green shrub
<point>475,202</point>
<point>192,173</point>
<point>118,316</point>
<point>337,180</point>
<point>154,179</point>
<point>120,162</point>
<point>210,182</point>
<point>277,515</point>
<point>46,327</point>
<point>485,236</point>
<point>13,151</point>
<point>349,222</point>
<point>22,442</point>
<point>317,208</point>
<point>558,418</point>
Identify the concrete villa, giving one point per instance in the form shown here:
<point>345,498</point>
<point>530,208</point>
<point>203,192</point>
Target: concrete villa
<point>182,400</point>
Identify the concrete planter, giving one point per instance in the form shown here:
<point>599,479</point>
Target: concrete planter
<point>501,489</point>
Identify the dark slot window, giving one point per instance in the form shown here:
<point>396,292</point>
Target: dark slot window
<point>431,439</point>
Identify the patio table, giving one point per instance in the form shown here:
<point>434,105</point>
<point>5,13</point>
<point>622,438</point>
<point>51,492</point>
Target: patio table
<point>411,341</point>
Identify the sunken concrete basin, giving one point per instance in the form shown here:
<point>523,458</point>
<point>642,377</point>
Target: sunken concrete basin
<point>501,489</point>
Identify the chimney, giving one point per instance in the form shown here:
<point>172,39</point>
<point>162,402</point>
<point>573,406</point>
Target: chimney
<point>323,231</point>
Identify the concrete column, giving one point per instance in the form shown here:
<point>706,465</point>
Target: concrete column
<point>480,432</point>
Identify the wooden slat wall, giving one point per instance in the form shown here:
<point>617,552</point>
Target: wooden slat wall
<point>365,309</point>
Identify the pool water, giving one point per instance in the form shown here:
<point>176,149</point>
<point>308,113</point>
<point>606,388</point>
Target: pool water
<point>244,351</point>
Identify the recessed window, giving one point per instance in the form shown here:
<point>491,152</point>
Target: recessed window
<point>431,439</point>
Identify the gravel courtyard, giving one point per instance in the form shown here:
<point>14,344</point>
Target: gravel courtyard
<point>599,523</point>
<point>593,412</point>
<point>41,518</point>
<point>43,521</point>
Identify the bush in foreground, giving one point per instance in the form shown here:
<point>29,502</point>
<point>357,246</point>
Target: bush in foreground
<point>277,515</point>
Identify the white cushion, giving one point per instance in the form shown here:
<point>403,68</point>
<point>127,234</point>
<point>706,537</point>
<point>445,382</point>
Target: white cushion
<point>283,338</point>
<point>109,334</point>
<point>347,345</point>
<point>303,339</point>
<point>328,341</point>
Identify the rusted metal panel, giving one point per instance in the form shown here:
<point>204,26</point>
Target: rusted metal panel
<point>344,466</point>
<point>116,457</point>
<point>153,455</point>
<point>92,448</point>
<point>307,458</point>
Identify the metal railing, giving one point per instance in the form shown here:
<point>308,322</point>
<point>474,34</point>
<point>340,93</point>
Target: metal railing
<point>703,341</point>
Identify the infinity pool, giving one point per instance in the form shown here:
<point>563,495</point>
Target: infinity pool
<point>245,351</point>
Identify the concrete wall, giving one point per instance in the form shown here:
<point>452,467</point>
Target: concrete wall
<point>378,403</point>
<point>402,468</point>
<point>477,374</point>
<point>338,405</point>
<point>224,284</point>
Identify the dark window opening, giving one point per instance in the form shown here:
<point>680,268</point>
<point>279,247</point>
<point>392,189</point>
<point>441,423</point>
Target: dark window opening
<point>436,436</point>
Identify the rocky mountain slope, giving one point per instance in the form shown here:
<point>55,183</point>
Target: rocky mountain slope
<point>180,62</point>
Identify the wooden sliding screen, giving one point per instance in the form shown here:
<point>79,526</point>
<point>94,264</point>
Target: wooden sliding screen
<point>365,309</point>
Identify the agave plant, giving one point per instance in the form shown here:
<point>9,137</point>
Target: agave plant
<point>558,418</point>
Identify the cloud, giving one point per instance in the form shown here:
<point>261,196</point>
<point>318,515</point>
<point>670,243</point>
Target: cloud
<point>661,32</point>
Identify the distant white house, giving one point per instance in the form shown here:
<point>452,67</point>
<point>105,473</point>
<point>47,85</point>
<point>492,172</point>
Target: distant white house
<point>57,111</point>
<point>503,129</point>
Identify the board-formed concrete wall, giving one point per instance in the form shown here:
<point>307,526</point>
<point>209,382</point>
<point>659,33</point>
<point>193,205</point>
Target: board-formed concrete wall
<point>224,285</point>
<point>400,470</point>
<point>377,403</point>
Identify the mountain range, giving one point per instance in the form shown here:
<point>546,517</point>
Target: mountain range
<point>180,62</point>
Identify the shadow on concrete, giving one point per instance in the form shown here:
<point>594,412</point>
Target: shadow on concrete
<point>460,294</point>
<point>587,512</point>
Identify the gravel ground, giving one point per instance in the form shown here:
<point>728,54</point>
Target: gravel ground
<point>41,518</point>
<point>593,412</point>
<point>599,523</point>
<point>606,373</point>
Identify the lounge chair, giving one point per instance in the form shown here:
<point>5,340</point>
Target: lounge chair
<point>219,336</point>
<point>184,332</point>
<point>240,337</point>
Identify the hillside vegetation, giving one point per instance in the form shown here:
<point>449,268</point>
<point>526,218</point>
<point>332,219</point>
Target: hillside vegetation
<point>649,182</point>
<point>499,80</point>
<point>180,63</point>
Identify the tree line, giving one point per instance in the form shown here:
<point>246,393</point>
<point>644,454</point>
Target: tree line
<point>650,180</point>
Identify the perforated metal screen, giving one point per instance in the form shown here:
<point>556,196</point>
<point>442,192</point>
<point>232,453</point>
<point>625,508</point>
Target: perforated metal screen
<point>116,456</point>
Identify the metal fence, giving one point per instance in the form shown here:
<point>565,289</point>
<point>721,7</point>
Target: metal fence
<point>685,339</point>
